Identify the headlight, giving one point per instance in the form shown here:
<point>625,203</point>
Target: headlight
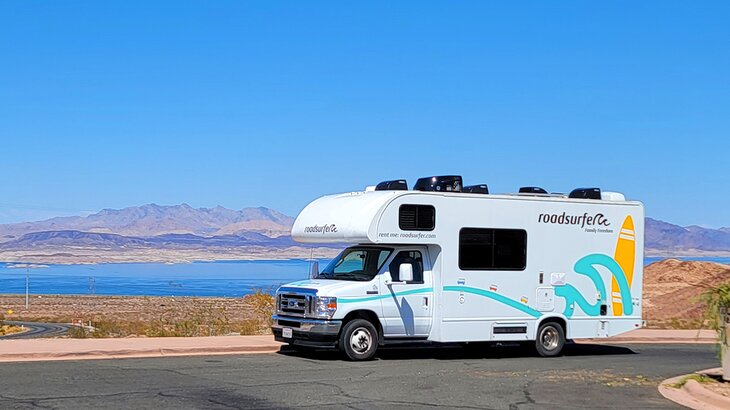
<point>325,307</point>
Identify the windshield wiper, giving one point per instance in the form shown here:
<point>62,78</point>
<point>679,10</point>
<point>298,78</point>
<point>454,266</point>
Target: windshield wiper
<point>356,276</point>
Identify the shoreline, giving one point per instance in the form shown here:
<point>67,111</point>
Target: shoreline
<point>686,254</point>
<point>86,256</point>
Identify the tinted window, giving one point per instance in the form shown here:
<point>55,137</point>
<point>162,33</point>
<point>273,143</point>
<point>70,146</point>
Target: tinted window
<point>492,249</point>
<point>416,217</point>
<point>412,257</point>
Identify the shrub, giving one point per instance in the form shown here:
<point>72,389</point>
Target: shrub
<point>262,303</point>
<point>250,327</point>
<point>78,332</point>
<point>701,378</point>
<point>718,306</point>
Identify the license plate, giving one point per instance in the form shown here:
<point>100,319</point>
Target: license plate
<point>287,333</point>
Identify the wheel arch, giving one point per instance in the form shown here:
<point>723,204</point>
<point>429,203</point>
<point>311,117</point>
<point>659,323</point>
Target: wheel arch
<point>368,315</point>
<point>559,319</point>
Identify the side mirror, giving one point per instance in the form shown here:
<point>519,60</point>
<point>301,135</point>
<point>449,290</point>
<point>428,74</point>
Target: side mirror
<point>314,271</point>
<point>387,278</point>
<point>405,272</point>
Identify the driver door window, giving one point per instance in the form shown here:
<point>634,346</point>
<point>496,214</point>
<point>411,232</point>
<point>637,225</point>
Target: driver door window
<point>414,258</point>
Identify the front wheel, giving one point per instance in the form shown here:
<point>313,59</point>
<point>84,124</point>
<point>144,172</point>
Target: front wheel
<point>550,339</point>
<point>359,340</point>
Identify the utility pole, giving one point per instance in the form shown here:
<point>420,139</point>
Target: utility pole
<point>27,288</point>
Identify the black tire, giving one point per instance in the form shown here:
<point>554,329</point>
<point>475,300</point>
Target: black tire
<point>550,339</point>
<point>359,340</point>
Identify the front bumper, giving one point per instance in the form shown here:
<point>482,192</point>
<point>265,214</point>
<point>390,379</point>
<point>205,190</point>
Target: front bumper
<point>307,332</point>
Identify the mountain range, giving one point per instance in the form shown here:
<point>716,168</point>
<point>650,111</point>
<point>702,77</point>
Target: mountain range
<point>184,227</point>
<point>667,239</point>
<point>155,220</point>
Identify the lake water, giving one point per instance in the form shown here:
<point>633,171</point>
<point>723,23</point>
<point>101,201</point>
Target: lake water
<point>155,279</point>
<point>235,278</point>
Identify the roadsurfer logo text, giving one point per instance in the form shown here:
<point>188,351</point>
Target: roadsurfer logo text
<point>324,229</point>
<point>582,220</point>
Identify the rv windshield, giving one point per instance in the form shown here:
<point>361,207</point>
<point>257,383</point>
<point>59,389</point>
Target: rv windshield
<point>357,263</point>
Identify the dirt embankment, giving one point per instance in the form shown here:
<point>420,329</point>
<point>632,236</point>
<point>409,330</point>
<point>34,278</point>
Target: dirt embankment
<point>672,291</point>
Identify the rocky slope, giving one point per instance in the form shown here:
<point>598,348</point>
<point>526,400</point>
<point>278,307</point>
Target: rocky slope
<point>672,290</point>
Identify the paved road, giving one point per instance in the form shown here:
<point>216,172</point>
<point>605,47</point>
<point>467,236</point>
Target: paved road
<point>588,376</point>
<point>36,330</point>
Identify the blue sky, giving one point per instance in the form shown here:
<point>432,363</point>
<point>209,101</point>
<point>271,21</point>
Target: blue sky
<point>113,104</point>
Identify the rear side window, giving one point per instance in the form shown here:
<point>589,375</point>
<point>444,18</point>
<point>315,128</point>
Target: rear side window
<point>416,217</point>
<point>492,249</point>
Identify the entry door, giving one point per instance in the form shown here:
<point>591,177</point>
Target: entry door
<point>408,307</point>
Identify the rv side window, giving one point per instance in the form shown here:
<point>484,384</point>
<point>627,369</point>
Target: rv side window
<point>492,249</point>
<point>416,217</point>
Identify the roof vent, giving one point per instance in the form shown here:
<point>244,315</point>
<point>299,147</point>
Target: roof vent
<point>476,189</point>
<point>532,190</point>
<point>586,193</point>
<point>448,183</point>
<point>612,196</point>
<point>394,185</point>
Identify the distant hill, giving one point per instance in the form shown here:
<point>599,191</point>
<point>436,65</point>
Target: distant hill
<point>663,237</point>
<point>184,227</point>
<point>71,239</point>
<point>154,220</point>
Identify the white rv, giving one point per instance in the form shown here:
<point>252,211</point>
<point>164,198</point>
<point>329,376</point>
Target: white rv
<point>446,263</point>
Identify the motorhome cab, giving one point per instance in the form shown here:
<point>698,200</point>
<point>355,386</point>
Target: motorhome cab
<point>447,263</point>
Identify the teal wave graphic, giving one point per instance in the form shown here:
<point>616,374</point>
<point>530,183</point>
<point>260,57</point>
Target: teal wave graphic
<point>385,296</point>
<point>495,296</point>
<point>586,266</point>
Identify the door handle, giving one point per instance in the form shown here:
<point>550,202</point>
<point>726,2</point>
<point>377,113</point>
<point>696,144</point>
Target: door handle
<point>372,292</point>
<point>425,301</point>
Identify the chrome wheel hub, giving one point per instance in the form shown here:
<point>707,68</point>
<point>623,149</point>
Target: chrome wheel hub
<point>361,340</point>
<point>549,338</point>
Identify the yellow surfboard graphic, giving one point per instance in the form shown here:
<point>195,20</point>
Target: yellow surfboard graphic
<point>625,256</point>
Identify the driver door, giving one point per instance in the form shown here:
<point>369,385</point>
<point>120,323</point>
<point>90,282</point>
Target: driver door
<point>407,307</point>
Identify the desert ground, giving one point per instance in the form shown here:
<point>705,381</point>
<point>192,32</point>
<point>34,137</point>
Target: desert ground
<point>121,316</point>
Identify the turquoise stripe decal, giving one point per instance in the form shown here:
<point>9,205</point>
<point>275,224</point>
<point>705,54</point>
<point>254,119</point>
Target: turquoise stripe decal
<point>584,266</point>
<point>386,296</point>
<point>499,298</point>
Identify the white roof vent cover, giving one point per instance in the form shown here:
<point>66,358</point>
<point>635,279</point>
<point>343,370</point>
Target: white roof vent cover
<point>612,196</point>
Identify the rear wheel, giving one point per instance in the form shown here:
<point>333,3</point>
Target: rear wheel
<point>550,339</point>
<point>359,340</point>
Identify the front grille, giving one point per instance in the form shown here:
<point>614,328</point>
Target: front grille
<point>291,304</point>
<point>289,323</point>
